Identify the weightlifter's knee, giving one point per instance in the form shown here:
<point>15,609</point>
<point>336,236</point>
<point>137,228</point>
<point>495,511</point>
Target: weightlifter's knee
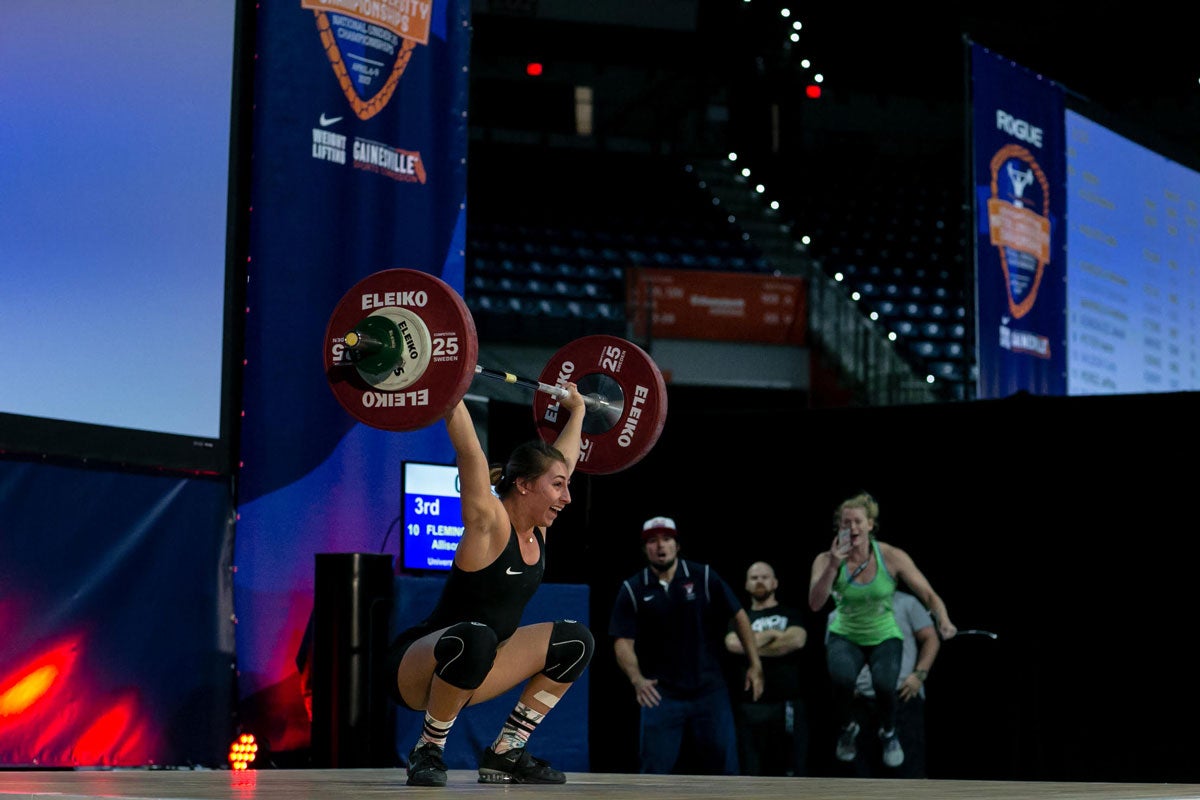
<point>569,652</point>
<point>465,654</point>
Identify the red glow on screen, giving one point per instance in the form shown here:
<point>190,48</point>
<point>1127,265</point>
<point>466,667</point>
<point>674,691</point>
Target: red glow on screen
<point>812,91</point>
<point>114,737</point>
<point>53,714</point>
<point>533,69</point>
<point>26,691</point>
<point>40,678</point>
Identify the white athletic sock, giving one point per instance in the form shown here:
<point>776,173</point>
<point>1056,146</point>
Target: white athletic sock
<point>435,731</point>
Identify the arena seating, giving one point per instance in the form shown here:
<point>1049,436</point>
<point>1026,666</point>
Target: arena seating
<point>898,234</point>
<point>551,232</point>
<point>549,242</point>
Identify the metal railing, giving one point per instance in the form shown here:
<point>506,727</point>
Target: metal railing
<point>866,359</point>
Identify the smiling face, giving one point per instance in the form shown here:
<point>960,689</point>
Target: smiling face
<point>546,497</point>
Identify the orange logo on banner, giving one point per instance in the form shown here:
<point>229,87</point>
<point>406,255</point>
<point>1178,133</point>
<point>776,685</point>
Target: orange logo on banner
<point>369,45</point>
<point>1019,224</point>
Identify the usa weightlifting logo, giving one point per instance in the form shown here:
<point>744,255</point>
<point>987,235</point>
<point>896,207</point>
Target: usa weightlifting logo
<point>369,44</point>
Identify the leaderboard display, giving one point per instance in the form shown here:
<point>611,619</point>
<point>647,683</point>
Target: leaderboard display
<point>1087,257</point>
<point>1133,251</point>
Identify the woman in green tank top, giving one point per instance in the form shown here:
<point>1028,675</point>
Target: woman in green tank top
<point>861,574</point>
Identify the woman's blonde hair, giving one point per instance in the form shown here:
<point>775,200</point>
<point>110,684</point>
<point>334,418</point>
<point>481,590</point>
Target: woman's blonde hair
<point>861,500</point>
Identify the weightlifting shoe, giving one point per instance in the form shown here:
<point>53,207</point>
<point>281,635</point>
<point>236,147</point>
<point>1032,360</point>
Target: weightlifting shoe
<point>427,765</point>
<point>516,766</point>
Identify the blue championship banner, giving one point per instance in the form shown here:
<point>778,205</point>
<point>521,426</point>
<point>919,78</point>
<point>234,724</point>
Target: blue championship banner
<point>358,166</point>
<point>1020,200</point>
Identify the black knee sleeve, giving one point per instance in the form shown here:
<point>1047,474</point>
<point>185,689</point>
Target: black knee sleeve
<point>570,651</point>
<point>465,653</point>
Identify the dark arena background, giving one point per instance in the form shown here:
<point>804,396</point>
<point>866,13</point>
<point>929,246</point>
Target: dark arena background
<point>946,257</point>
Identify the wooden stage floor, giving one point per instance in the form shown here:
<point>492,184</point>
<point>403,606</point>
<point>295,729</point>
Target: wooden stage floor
<point>344,784</point>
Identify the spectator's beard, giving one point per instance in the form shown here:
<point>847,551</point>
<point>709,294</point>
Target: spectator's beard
<point>664,567</point>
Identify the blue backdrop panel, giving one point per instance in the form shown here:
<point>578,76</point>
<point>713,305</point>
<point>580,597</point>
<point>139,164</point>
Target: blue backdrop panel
<point>561,739</point>
<point>1020,199</point>
<point>359,165</point>
<point>117,644</point>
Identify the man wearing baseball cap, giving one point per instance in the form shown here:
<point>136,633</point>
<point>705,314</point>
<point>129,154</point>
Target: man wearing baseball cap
<point>668,624</point>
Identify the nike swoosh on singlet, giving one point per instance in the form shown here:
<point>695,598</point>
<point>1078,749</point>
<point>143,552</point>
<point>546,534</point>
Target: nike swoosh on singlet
<point>326,121</point>
<point>509,571</point>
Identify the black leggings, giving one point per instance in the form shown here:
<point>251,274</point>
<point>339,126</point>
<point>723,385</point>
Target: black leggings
<point>846,660</point>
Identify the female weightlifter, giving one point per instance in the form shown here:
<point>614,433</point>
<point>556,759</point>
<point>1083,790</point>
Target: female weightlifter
<point>470,648</point>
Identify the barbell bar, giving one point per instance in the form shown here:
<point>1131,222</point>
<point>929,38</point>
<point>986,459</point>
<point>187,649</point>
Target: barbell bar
<point>593,402</point>
<point>364,347</point>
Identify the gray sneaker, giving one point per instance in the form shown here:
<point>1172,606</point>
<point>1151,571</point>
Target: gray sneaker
<point>847,748</point>
<point>893,753</point>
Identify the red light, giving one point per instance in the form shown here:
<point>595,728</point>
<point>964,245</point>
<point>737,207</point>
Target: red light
<point>243,751</point>
<point>533,69</point>
<point>812,91</point>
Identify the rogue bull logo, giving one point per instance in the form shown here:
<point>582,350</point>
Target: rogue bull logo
<point>369,44</point>
<point>1019,223</point>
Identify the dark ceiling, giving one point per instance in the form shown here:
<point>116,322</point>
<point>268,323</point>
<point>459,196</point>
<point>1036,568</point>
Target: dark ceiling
<point>1133,64</point>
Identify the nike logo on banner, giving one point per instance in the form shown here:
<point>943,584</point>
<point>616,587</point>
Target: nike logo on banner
<point>327,121</point>
<point>510,571</point>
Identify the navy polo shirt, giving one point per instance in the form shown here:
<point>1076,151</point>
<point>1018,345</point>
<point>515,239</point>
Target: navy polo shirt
<point>678,631</point>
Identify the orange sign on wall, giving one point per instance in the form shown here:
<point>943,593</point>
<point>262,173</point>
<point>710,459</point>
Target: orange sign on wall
<point>722,306</point>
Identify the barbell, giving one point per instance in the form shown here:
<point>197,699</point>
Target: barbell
<point>401,350</point>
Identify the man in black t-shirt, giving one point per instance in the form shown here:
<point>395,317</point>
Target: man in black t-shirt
<point>772,730</point>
